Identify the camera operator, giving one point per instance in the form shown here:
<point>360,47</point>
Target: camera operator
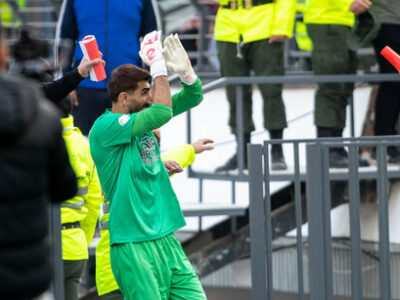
<point>29,54</point>
<point>34,169</point>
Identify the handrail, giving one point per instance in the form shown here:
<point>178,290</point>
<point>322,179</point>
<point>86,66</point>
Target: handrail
<point>222,82</point>
<point>286,79</point>
<point>317,213</point>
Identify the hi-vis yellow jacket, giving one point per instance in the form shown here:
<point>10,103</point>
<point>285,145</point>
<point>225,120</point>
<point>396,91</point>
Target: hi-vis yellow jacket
<point>303,40</point>
<point>105,282</point>
<point>254,23</point>
<point>84,207</point>
<point>8,18</point>
<point>335,12</point>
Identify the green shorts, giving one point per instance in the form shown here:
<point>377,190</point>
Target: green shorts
<point>155,270</point>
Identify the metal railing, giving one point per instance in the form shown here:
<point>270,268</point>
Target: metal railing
<point>57,283</point>
<point>241,176</point>
<point>286,79</point>
<point>318,176</point>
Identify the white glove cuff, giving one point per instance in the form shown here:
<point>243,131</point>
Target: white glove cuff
<point>158,68</point>
<point>188,78</point>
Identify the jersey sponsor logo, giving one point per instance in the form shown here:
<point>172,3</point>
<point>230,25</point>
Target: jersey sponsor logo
<point>148,150</point>
<point>122,120</point>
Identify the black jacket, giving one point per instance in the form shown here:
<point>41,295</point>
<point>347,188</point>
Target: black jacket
<point>58,89</point>
<point>34,169</point>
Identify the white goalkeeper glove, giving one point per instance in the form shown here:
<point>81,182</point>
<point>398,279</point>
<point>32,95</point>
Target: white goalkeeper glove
<point>151,54</point>
<point>177,59</point>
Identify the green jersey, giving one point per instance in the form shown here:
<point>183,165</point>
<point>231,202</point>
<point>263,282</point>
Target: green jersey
<point>143,205</point>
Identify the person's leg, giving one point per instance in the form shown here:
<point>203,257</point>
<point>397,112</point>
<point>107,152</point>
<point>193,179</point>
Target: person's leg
<point>185,284</point>
<point>387,104</point>
<point>331,55</point>
<point>231,65</point>
<point>138,272</point>
<point>388,99</point>
<point>267,60</point>
<point>114,295</point>
<point>92,104</point>
<point>72,273</point>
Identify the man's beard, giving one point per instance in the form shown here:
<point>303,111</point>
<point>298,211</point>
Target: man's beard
<point>140,108</point>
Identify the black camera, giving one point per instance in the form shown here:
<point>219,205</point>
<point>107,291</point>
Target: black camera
<point>30,57</point>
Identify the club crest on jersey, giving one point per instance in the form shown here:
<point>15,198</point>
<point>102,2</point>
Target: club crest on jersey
<point>122,120</point>
<point>148,151</point>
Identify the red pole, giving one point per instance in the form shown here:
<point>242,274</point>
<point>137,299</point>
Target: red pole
<point>392,57</point>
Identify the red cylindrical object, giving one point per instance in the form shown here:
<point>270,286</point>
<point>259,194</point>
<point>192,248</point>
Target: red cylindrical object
<point>392,57</point>
<point>92,50</point>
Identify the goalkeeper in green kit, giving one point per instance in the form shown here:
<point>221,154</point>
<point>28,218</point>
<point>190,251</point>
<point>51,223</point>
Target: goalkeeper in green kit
<point>147,259</point>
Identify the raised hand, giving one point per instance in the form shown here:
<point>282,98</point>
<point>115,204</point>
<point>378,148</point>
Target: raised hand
<point>202,145</point>
<point>151,54</point>
<point>177,59</point>
<point>85,66</point>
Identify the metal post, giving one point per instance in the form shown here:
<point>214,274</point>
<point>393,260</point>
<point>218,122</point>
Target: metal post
<point>257,224</point>
<point>355,240</point>
<point>326,202</point>
<point>57,284</point>
<point>352,129</point>
<point>299,221</point>
<point>233,218</point>
<point>383,203</point>
<point>189,127</point>
<point>316,223</point>
<point>189,135</point>
<point>202,42</point>
<point>268,222</point>
<point>239,127</point>
<point>200,201</point>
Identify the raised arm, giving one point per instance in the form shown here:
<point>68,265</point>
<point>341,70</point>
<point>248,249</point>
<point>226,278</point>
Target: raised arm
<point>188,97</point>
<point>58,89</point>
<point>178,62</point>
<point>160,111</point>
<point>151,54</point>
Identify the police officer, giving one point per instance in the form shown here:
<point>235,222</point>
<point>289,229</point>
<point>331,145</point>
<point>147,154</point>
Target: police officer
<point>250,36</point>
<point>328,25</point>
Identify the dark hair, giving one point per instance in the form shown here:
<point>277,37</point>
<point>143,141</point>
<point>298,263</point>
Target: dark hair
<point>125,79</point>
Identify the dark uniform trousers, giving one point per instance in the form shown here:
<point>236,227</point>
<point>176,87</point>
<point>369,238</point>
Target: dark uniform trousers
<point>72,273</point>
<point>387,104</point>
<point>331,55</point>
<point>114,295</point>
<point>265,60</point>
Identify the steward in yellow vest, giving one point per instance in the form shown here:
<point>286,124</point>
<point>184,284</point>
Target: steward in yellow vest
<point>328,25</point>
<point>78,214</point>
<point>250,36</point>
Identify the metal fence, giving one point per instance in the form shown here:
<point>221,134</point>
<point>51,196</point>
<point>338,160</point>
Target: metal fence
<point>318,176</point>
<point>239,82</point>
